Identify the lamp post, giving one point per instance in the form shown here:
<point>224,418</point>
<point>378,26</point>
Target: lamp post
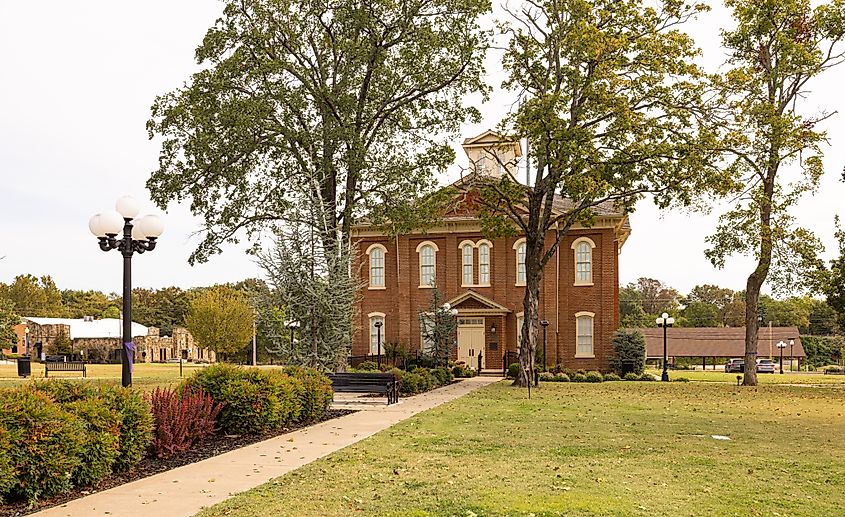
<point>139,236</point>
<point>378,325</point>
<point>781,345</point>
<point>544,323</point>
<point>665,321</point>
<point>26,340</point>
<point>791,353</point>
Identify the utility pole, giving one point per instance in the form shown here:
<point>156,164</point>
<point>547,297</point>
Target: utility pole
<point>254,353</point>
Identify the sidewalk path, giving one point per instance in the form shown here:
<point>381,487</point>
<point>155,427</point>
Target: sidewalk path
<point>186,490</point>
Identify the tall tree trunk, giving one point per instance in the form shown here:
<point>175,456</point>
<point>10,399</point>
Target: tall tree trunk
<point>531,308</point>
<point>756,280</point>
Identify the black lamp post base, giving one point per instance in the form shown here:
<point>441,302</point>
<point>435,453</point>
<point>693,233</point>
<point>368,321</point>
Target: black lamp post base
<point>665,376</point>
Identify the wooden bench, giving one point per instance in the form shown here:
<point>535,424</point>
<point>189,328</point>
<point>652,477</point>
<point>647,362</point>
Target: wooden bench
<point>64,366</point>
<point>385,383</point>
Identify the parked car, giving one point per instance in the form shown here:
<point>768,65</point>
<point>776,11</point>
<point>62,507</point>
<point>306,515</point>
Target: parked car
<point>735,366</point>
<point>765,366</point>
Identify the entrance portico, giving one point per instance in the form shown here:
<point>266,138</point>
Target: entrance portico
<point>481,330</point>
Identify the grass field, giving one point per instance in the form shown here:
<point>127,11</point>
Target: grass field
<point>813,378</point>
<point>146,375</point>
<point>617,448</point>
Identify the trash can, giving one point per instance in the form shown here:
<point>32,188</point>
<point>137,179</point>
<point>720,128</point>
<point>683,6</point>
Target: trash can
<point>24,367</point>
<point>627,366</point>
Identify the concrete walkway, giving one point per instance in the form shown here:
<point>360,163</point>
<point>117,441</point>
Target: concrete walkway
<point>186,490</point>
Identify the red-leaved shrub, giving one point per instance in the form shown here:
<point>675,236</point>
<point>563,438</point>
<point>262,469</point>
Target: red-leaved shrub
<point>181,419</point>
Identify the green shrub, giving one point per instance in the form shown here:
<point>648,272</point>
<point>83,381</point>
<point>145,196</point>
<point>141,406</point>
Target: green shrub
<point>579,377</point>
<point>547,376</point>
<point>611,377</point>
<point>513,370</point>
<point>443,376</point>
<point>136,424</point>
<point>255,401</point>
<point>628,346</point>
<point>631,376</point>
<point>7,467</point>
<point>101,447</point>
<point>681,379</point>
<point>47,444</point>
<point>133,415</point>
<point>561,377</point>
<point>594,376</point>
<point>368,366</point>
<point>315,392</point>
<point>647,377</point>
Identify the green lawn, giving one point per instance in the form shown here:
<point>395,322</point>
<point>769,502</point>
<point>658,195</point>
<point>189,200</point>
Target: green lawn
<point>809,378</point>
<point>617,448</point>
<point>146,375</point>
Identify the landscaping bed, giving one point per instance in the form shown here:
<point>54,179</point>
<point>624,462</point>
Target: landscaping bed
<point>60,438</point>
<point>149,466</point>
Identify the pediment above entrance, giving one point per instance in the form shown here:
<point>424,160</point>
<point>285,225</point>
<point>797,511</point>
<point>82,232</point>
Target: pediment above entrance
<point>471,301</point>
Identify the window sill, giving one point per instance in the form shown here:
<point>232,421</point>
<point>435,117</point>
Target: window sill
<point>476,285</point>
<point>426,287</point>
<point>377,288</point>
<point>591,356</point>
<point>584,284</point>
<point>519,285</point>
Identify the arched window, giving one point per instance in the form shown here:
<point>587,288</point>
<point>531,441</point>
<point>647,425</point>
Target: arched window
<point>583,260</point>
<point>374,332</point>
<point>584,334</point>
<point>428,263</point>
<point>376,253</point>
<point>519,246</point>
<point>484,263</point>
<point>467,251</point>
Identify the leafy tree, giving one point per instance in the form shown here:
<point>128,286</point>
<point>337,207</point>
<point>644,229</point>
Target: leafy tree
<point>832,280</point>
<point>823,318</point>
<point>111,312</point>
<point>789,312</point>
<point>88,303</point>
<point>164,308</point>
<point>221,319</point>
<point>61,344</point>
<point>34,296</point>
<point>8,319</point>
<point>612,109</point>
<point>352,103</point>
<point>701,314</point>
<point>776,48</point>
<point>642,301</point>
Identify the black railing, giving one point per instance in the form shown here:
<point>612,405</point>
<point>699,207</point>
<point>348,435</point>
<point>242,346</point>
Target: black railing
<point>391,360</point>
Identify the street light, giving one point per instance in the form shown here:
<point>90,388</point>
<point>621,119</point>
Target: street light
<point>781,345</point>
<point>544,323</point>
<point>139,235</point>
<point>378,325</point>
<point>791,353</point>
<point>665,321</point>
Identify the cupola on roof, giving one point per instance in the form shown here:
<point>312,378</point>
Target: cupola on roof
<point>492,154</point>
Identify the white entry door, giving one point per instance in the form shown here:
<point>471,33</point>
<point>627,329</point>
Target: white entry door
<point>471,341</point>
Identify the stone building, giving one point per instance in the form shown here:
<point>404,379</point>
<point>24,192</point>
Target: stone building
<point>99,341</point>
<point>484,279</point>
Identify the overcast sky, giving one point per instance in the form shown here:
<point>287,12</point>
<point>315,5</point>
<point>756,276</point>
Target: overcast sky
<point>76,83</point>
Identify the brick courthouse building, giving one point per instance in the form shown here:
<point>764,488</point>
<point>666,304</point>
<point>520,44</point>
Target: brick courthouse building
<point>484,280</point>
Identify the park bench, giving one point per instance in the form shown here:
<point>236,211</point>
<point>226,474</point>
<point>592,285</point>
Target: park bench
<point>384,383</point>
<point>66,366</point>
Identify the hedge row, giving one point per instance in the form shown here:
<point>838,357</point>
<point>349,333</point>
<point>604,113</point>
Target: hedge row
<point>258,400</point>
<point>60,434</point>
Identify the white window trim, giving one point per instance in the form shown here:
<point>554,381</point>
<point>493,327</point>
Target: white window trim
<point>516,246</point>
<point>471,263</point>
<point>370,317</point>
<point>575,244</point>
<point>372,287</point>
<point>592,316</point>
<point>489,263</point>
<point>419,259</point>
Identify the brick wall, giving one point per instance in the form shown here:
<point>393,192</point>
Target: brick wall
<point>402,299</point>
